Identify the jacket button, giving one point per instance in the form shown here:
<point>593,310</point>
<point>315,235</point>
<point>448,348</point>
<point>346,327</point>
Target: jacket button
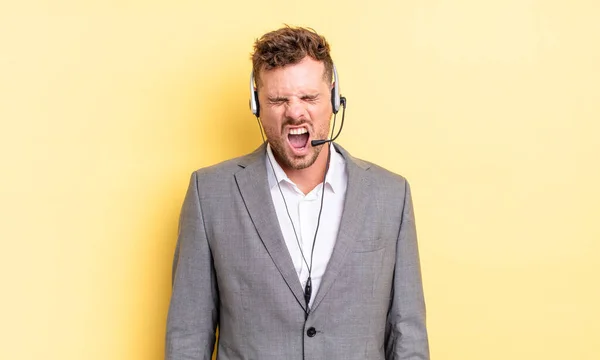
<point>311,332</point>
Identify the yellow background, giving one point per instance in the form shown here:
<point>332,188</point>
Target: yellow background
<point>491,109</point>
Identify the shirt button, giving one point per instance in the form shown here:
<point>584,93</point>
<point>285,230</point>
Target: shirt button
<point>311,332</point>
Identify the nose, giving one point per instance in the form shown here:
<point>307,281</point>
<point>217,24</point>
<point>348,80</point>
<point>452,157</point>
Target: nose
<point>295,109</point>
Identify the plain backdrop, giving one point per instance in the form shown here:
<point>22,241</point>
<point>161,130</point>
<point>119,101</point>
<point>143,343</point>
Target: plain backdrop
<point>489,108</point>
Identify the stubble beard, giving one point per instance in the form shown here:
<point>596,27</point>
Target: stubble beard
<point>286,158</point>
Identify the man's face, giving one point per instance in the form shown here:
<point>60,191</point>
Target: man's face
<point>295,108</point>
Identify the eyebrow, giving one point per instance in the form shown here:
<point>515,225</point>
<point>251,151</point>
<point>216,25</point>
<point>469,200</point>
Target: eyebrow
<point>277,98</point>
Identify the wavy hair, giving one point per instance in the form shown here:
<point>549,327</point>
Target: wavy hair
<point>289,45</point>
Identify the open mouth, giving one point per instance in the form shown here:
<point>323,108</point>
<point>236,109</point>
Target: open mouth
<point>298,138</point>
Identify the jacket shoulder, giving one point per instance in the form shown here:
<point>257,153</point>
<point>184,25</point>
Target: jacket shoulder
<point>381,175</point>
<point>375,172</point>
<point>217,175</point>
<point>220,169</point>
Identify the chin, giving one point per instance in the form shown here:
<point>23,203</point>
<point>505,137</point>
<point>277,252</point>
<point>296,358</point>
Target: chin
<point>300,166</point>
<point>304,162</point>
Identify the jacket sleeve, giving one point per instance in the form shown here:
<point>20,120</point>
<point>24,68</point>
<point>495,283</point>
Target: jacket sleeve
<point>407,334</point>
<point>193,310</point>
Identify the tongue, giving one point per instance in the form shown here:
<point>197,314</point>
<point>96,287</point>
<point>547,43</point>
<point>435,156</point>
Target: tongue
<point>298,141</point>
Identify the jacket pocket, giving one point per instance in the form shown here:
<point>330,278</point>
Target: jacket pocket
<point>368,245</point>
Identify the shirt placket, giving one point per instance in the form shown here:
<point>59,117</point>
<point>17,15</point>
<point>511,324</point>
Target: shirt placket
<point>306,213</point>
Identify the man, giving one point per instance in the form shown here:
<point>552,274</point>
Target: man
<point>297,250</point>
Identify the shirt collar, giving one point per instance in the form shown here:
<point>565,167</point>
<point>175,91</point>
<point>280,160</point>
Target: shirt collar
<point>334,176</point>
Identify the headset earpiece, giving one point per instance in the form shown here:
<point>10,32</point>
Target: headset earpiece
<point>254,106</point>
<point>335,92</point>
<point>257,107</point>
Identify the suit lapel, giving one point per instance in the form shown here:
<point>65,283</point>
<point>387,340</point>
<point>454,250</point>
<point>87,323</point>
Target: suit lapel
<point>253,186</point>
<point>353,217</point>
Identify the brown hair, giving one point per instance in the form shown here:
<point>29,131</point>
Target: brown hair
<point>289,45</point>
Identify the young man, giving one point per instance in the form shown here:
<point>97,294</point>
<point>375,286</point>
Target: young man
<point>297,250</point>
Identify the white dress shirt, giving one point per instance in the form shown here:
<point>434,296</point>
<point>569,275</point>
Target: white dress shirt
<point>304,212</point>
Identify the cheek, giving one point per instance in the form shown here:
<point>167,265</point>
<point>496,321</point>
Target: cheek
<point>271,122</point>
<point>321,114</point>
<point>272,113</point>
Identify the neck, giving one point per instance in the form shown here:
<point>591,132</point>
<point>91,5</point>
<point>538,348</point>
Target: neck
<point>307,179</point>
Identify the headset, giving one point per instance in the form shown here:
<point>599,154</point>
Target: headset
<point>336,99</point>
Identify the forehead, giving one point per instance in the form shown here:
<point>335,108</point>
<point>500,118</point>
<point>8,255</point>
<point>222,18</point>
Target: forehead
<point>306,75</point>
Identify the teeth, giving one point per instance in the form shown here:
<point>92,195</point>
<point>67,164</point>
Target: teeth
<point>299,131</point>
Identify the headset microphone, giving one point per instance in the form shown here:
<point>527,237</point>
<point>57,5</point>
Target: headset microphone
<point>321,142</point>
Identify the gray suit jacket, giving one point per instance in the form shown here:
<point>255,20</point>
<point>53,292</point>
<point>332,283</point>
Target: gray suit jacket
<point>232,269</point>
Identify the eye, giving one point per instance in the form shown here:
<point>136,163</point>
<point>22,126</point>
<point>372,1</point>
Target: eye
<point>310,98</point>
<point>277,101</point>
